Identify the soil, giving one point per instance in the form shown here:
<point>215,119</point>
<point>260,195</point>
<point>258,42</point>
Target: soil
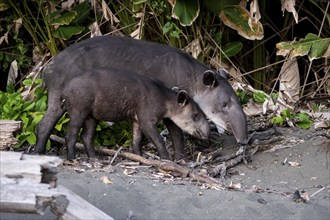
<point>296,162</point>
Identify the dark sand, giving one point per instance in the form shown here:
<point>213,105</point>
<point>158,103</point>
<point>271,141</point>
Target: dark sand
<point>266,190</point>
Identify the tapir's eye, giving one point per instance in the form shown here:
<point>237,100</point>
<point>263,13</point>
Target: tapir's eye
<point>195,117</point>
<point>224,106</point>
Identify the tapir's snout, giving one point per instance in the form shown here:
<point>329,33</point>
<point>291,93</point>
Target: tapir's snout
<point>202,133</point>
<point>238,125</point>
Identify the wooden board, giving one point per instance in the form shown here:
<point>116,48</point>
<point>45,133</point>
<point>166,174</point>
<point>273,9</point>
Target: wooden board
<point>28,185</point>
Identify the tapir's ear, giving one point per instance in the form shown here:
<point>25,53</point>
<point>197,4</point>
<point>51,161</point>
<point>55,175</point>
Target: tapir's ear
<point>182,97</point>
<point>224,73</point>
<point>210,79</point>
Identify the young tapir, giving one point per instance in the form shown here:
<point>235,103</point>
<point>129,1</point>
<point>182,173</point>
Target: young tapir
<point>211,91</point>
<point>112,95</point>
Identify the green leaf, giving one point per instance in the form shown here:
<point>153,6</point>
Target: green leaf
<point>287,113</point>
<point>233,48</point>
<point>237,17</point>
<point>61,122</point>
<point>28,106</point>
<point>36,119</point>
<point>186,11</point>
<point>259,97</point>
<point>31,138</point>
<point>277,120</point>
<point>66,32</point>
<point>82,11</point>
<point>312,45</point>
<point>64,19</point>
<point>303,120</point>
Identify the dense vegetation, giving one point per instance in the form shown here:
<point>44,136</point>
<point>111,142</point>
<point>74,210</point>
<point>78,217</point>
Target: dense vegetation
<point>251,41</point>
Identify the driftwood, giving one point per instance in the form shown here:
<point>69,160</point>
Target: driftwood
<point>164,165</point>
<point>7,130</point>
<point>28,185</point>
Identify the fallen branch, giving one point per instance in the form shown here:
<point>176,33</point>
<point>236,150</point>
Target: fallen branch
<point>232,160</point>
<point>163,165</point>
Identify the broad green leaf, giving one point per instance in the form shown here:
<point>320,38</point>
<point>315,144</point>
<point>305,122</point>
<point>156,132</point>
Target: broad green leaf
<point>303,120</point>
<point>66,32</point>
<point>36,119</point>
<point>31,138</point>
<point>237,17</point>
<point>28,106</point>
<point>233,48</point>
<point>82,11</point>
<point>65,19</point>
<point>312,45</point>
<point>186,11</point>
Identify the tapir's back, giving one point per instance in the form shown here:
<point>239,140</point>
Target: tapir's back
<point>165,63</point>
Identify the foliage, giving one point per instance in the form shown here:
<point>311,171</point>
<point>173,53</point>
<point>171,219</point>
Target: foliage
<point>30,27</point>
<point>301,119</point>
<point>312,45</point>
<point>14,107</point>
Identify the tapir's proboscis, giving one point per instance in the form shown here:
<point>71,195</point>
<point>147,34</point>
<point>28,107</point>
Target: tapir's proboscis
<point>175,68</point>
<point>112,95</point>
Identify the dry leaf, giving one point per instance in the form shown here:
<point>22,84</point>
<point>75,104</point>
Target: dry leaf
<point>129,172</point>
<point>18,24</point>
<point>254,14</point>
<point>289,6</point>
<point>108,15</point>
<point>95,30</point>
<point>194,48</point>
<point>137,34</point>
<point>294,163</point>
<point>106,180</point>
<point>4,38</point>
<point>67,4</point>
<point>305,196</point>
<point>289,81</point>
<point>234,185</point>
<point>13,72</point>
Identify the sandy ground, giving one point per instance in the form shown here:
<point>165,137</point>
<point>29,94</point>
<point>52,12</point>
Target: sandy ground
<point>266,187</point>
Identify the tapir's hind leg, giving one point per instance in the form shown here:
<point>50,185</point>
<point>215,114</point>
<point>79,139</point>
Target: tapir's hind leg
<point>53,114</point>
<point>87,136</point>
<point>75,123</point>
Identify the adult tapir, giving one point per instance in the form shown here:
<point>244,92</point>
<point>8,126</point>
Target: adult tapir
<point>175,68</point>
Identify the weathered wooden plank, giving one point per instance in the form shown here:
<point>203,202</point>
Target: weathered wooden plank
<point>16,168</point>
<point>7,129</point>
<point>35,199</point>
<point>24,198</point>
<point>78,208</point>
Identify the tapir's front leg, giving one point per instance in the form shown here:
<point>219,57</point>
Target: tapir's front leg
<point>150,130</point>
<point>177,139</point>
